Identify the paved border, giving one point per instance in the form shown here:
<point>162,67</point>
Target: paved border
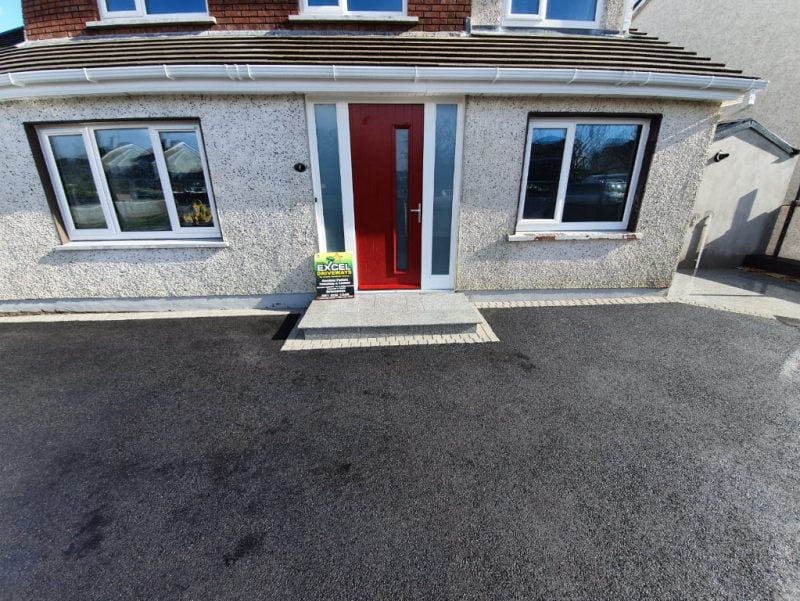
<point>577,302</point>
<point>484,334</point>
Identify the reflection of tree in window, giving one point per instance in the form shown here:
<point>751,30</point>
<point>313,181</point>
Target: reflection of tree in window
<point>186,176</point>
<point>130,168</point>
<point>602,165</point>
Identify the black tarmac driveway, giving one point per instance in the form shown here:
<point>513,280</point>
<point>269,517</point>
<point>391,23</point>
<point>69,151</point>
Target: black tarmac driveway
<point>617,452</point>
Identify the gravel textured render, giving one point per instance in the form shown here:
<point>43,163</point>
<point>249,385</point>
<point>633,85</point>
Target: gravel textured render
<point>609,452</point>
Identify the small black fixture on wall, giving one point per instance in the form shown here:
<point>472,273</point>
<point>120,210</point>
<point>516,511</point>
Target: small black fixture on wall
<point>721,156</point>
<point>300,167</point>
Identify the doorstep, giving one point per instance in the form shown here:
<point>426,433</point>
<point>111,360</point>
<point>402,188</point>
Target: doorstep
<point>390,319</point>
<point>390,314</point>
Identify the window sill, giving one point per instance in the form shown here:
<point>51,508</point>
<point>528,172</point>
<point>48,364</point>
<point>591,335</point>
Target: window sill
<point>353,18</point>
<point>139,244</point>
<point>565,236</point>
<point>153,20</point>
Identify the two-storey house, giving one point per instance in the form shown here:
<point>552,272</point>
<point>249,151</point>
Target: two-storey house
<point>200,152</point>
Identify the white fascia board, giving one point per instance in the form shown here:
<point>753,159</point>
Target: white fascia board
<point>302,79</point>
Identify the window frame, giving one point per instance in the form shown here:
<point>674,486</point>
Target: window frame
<point>341,10</point>
<point>540,19</point>
<point>141,11</point>
<point>112,231</point>
<point>570,123</point>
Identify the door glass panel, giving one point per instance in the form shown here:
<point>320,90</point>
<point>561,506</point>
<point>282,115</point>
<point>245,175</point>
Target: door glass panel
<point>443,181</point>
<point>544,172</point>
<point>571,10</point>
<point>387,6</point>
<point>524,7</point>
<point>401,198</point>
<point>329,177</point>
<point>120,5</point>
<point>165,7</point>
<point>187,178</point>
<point>600,173</point>
<point>77,182</point>
<point>323,3</point>
<point>132,176</point>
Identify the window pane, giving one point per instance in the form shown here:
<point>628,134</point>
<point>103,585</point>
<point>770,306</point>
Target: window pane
<point>132,176</point>
<point>119,5</point>
<point>443,173</point>
<point>401,198</point>
<point>524,7</point>
<point>187,178</point>
<point>323,3</point>
<point>600,173</point>
<point>387,6</point>
<point>541,189</point>
<point>77,182</point>
<point>330,181</point>
<point>571,10</point>
<point>163,7</point>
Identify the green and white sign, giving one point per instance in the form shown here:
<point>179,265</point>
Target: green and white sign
<point>334,274</point>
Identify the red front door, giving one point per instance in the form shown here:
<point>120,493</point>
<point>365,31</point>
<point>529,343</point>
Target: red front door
<point>386,151</point>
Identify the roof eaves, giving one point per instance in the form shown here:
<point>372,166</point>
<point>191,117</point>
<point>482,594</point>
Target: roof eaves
<point>224,78</point>
<point>729,128</point>
<point>12,37</point>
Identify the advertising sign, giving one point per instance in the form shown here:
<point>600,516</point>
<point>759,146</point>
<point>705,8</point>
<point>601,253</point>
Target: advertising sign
<point>334,274</point>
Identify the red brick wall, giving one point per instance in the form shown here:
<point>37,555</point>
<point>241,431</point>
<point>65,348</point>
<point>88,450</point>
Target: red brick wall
<point>67,18</point>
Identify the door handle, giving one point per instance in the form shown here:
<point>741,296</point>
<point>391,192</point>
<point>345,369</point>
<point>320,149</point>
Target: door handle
<point>418,211</point>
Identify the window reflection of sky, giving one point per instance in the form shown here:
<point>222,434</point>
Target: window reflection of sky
<point>164,7</point>
<point>557,10</point>
<point>571,10</point>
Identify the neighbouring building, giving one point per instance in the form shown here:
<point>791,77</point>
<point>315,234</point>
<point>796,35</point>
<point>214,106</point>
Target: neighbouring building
<point>740,198</point>
<point>745,199</point>
<point>199,153</point>
<point>759,36</point>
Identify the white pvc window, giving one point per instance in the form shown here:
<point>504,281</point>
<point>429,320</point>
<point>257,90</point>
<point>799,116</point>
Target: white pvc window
<point>579,14</point>
<point>131,181</point>
<point>580,174</point>
<point>113,9</point>
<point>355,7</point>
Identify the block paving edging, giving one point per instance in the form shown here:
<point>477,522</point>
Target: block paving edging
<point>483,334</point>
<point>577,302</point>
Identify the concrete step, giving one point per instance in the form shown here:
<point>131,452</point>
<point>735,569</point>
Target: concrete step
<point>389,314</point>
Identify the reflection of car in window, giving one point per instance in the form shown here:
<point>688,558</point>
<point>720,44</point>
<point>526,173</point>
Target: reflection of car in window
<point>601,187</point>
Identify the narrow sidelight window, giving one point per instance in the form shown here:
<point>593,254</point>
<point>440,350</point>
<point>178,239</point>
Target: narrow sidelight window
<point>401,198</point>
<point>443,182</point>
<point>130,182</point>
<point>329,175</point>
<point>581,174</point>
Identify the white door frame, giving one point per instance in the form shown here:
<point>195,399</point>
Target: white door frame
<point>428,281</point>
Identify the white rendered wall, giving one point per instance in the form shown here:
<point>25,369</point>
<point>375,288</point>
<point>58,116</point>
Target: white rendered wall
<point>494,144</point>
<point>265,206</point>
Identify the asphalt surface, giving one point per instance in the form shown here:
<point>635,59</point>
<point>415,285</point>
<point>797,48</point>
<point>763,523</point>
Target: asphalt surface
<point>615,452</point>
